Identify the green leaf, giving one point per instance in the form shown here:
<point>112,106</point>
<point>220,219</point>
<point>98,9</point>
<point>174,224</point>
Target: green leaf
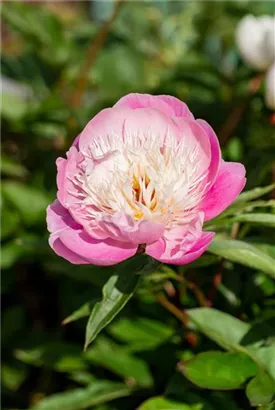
<point>114,78</point>
<point>226,330</point>
<point>97,393</point>
<point>260,390</point>
<point>266,356</point>
<point>30,202</point>
<point>236,210</point>
<point>33,25</point>
<point>243,253</point>
<point>12,168</point>
<point>13,107</point>
<point>270,406</point>
<point>141,333</point>
<point>257,218</point>
<point>14,250</point>
<point>116,359</point>
<point>219,370</point>
<point>82,377</point>
<point>116,292</point>
<point>60,356</point>
<point>10,221</point>
<point>254,194</point>
<point>10,253</point>
<point>83,311</point>
<point>161,403</point>
<point>13,375</point>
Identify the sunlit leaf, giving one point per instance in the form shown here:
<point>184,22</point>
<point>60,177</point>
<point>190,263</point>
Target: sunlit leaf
<point>243,253</point>
<point>218,370</point>
<point>261,389</point>
<point>161,403</point>
<point>226,330</point>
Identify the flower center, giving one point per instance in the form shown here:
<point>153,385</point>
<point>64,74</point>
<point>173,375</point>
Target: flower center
<point>142,177</point>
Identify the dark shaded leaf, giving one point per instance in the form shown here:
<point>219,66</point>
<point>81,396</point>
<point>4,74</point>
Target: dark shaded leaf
<point>116,293</point>
<point>115,358</point>
<point>99,392</point>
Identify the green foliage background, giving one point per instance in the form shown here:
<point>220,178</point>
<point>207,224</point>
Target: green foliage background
<point>196,337</point>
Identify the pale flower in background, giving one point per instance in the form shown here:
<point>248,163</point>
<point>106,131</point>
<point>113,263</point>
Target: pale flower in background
<point>270,88</point>
<point>255,37</point>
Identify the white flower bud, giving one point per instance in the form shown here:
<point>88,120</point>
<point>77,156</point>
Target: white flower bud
<point>270,88</point>
<point>255,37</point>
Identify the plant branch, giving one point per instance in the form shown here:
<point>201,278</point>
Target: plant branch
<point>231,122</point>
<point>198,293</point>
<point>92,54</point>
<point>237,112</point>
<point>196,290</point>
<point>179,314</point>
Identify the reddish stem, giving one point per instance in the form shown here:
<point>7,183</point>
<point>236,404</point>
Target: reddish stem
<point>92,53</point>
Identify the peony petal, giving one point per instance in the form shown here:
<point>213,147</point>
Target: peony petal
<point>145,232</point>
<point>157,249</point>
<point>136,101</point>
<point>76,142</point>
<point>122,227</point>
<point>61,250</point>
<point>59,218</point>
<point>69,240</point>
<point>215,151</point>
<point>228,185</point>
<point>125,123</point>
<point>106,252</point>
<point>149,121</point>
<point>108,122</point>
<point>180,109</point>
<point>198,142</point>
<point>61,164</point>
<point>171,106</point>
<point>66,170</point>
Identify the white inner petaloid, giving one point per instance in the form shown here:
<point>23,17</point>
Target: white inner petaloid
<point>142,176</point>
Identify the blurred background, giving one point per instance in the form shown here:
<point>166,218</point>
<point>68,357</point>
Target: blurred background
<point>61,63</point>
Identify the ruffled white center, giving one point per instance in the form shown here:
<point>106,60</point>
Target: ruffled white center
<point>143,176</point>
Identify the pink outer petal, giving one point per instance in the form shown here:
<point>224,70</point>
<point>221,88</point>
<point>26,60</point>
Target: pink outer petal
<point>61,250</point>
<point>215,152</point>
<point>66,170</point>
<point>125,123</point>
<point>180,109</point>
<point>105,253</point>
<point>109,121</point>
<point>70,241</point>
<point>198,143</point>
<point>136,101</point>
<point>171,106</point>
<point>59,218</point>
<point>228,185</point>
<point>157,249</point>
<point>76,141</point>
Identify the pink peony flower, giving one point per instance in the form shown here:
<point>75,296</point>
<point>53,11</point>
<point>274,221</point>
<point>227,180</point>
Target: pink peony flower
<point>145,174</point>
